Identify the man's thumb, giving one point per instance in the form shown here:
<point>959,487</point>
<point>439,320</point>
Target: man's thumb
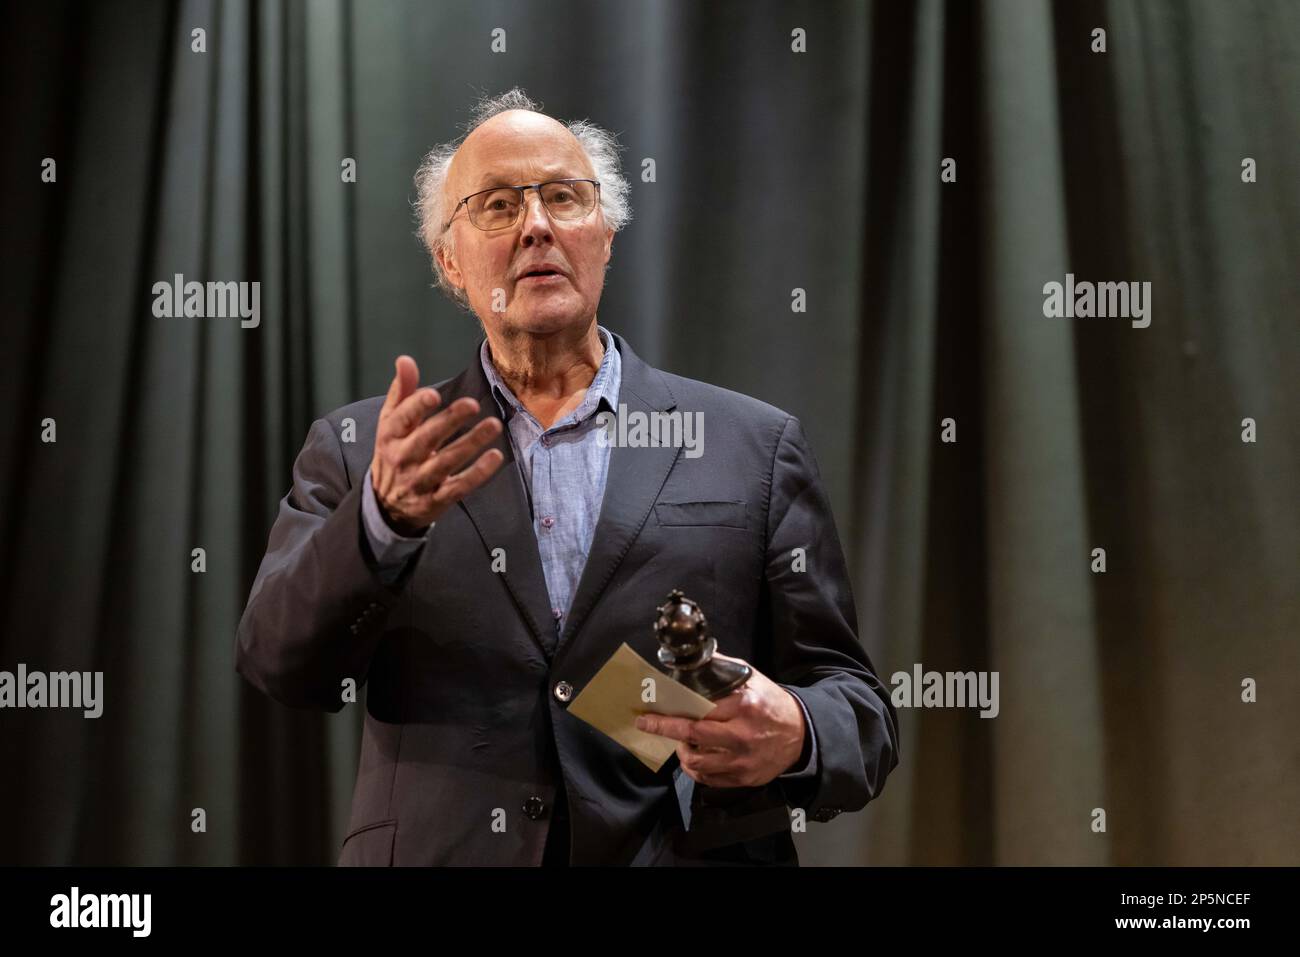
<point>405,381</point>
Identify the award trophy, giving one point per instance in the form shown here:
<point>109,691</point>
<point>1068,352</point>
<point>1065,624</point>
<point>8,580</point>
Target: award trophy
<point>686,650</point>
<point>717,816</point>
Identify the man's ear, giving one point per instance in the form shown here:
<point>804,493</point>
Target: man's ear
<point>609,244</point>
<point>447,262</point>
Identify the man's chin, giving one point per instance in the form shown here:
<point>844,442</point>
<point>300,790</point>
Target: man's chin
<point>546,321</point>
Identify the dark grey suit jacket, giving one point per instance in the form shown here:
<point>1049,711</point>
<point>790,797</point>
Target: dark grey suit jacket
<point>465,720</point>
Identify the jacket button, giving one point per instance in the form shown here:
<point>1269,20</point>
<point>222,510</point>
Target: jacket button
<point>535,808</point>
<point>563,692</point>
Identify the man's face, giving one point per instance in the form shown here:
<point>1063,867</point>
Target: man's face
<point>513,149</point>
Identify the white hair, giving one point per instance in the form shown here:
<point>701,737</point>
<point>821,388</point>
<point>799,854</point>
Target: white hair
<point>600,145</point>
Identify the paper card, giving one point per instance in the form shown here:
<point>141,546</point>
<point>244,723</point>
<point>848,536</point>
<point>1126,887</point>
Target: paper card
<point>612,701</point>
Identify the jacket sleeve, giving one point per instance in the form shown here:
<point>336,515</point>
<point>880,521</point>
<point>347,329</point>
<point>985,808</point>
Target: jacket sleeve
<point>814,641</point>
<point>316,610</point>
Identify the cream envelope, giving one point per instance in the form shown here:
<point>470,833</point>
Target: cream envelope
<point>614,698</point>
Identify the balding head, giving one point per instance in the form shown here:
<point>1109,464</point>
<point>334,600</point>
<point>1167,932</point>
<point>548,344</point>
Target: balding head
<point>511,148</point>
<point>441,175</point>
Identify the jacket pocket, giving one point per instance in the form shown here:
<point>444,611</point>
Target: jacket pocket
<point>370,845</point>
<point>727,514</point>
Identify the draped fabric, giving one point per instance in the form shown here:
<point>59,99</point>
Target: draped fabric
<point>793,238</point>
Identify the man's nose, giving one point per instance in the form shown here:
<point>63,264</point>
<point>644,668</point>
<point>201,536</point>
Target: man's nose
<point>537,222</point>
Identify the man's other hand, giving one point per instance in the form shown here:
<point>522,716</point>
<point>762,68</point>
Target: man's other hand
<point>753,735</point>
<point>416,473</point>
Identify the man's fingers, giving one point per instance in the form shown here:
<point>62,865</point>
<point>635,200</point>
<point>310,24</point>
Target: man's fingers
<point>407,414</point>
<point>727,707</point>
<point>456,487</point>
<point>433,431</point>
<point>708,762</point>
<point>452,458</point>
<point>679,729</point>
<point>706,734</point>
<point>716,769</point>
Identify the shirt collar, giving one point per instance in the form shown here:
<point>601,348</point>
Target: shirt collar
<point>603,389</point>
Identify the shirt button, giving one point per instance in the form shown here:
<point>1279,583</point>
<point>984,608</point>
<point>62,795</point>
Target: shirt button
<point>546,441</point>
<point>548,521</point>
<point>563,692</point>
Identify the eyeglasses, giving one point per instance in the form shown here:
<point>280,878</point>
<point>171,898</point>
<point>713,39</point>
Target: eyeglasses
<point>500,206</point>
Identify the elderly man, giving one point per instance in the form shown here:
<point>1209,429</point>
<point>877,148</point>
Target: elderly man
<point>481,549</point>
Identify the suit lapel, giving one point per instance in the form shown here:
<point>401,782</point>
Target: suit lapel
<point>631,487</point>
<point>499,511</point>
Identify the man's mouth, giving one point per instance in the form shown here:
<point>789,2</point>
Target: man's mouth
<point>541,276</point>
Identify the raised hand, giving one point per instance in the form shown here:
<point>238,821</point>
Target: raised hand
<point>416,472</point>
